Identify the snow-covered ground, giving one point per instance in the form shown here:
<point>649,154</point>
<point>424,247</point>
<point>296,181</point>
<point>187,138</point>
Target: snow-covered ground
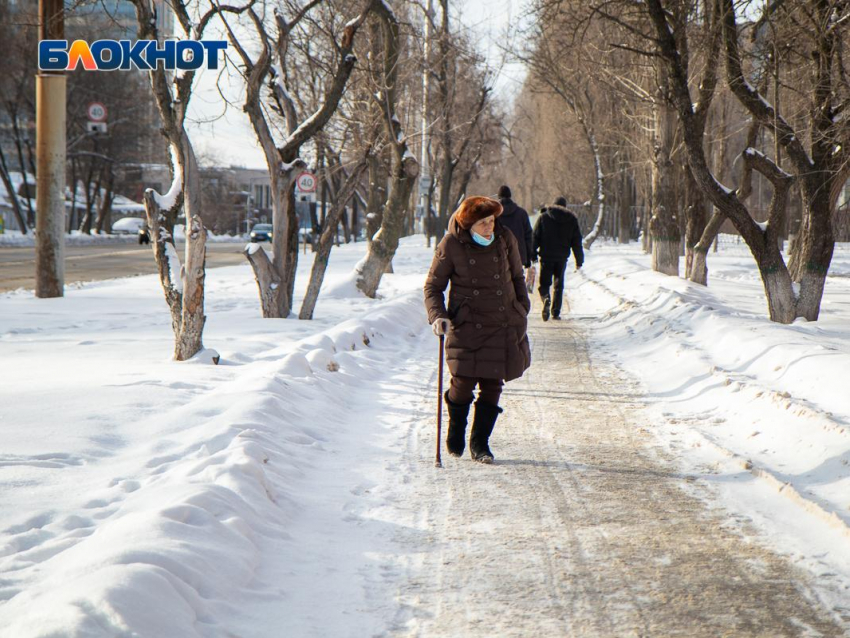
<point>139,496</point>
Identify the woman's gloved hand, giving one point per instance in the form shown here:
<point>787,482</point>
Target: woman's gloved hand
<point>440,326</point>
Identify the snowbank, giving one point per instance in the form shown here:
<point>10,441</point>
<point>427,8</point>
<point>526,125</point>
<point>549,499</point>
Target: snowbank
<point>739,399</point>
<point>152,485</point>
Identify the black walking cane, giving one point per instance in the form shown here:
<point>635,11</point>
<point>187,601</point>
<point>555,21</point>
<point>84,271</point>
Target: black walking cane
<point>438,462</point>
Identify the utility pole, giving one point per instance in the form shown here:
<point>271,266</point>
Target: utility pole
<point>425,169</point>
<point>50,164</point>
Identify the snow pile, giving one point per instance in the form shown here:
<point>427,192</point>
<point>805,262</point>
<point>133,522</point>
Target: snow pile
<point>739,398</point>
<point>175,487</point>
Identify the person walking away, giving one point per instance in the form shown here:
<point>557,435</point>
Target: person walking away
<point>515,219</point>
<point>556,233</point>
<point>484,321</point>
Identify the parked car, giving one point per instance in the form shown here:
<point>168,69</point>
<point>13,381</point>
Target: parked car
<point>128,226</point>
<point>133,226</point>
<point>261,232</point>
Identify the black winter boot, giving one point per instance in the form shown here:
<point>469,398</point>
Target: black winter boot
<point>456,436</point>
<point>546,304</point>
<point>482,427</point>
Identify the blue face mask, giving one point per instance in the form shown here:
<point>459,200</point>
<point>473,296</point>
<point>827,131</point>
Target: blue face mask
<point>481,240</point>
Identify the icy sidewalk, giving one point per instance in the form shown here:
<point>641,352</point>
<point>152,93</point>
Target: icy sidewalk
<point>586,526</point>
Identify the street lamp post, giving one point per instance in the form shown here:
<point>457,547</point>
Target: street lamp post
<point>50,153</point>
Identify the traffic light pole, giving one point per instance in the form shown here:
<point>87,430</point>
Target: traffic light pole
<point>50,164</point>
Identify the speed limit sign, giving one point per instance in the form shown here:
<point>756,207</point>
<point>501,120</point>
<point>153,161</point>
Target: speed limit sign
<point>96,112</point>
<point>306,182</point>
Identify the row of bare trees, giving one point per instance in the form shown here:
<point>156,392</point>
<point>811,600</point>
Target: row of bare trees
<point>332,86</point>
<point>679,108</point>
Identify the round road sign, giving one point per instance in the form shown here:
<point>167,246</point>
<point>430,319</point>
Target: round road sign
<point>96,112</point>
<point>306,182</point>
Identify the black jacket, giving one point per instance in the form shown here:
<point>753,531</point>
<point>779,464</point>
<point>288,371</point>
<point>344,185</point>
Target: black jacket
<point>515,219</point>
<point>555,233</point>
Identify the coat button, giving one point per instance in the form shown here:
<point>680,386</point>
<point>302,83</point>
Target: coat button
<point>495,276</point>
<point>478,326</point>
<point>495,259</point>
<point>499,292</point>
<point>474,292</point>
<point>501,308</point>
<point>472,262</point>
<point>504,325</point>
<point>475,281</point>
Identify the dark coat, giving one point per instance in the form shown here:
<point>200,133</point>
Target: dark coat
<point>556,232</point>
<point>516,220</point>
<point>488,304</point>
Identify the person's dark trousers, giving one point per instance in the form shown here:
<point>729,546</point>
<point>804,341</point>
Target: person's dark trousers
<point>553,272</point>
<point>460,390</point>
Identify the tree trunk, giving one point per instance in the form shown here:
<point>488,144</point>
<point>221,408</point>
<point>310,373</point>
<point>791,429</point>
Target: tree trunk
<point>190,340</point>
<point>599,184</point>
<point>627,202</point>
<point>14,202</point>
<point>664,225</point>
<point>104,215</point>
<point>183,285</point>
<point>696,220</point>
<point>698,272</point>
<point>377,196</point>
<point>795,225</point>
<point>385,242</point>
<point>88,217</point>
<point>816,244</point>
<point>20,151</point>
<point>325,242</point>
<point>167,260</point>
<point>446,178</point>
<point>267,278</point>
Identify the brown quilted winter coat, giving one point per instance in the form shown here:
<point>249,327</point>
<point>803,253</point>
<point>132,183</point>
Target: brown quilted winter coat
<point>488,304</point>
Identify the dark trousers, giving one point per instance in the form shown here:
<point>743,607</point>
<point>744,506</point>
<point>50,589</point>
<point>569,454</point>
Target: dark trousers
<point>550,270</point>
<point>489,390</point>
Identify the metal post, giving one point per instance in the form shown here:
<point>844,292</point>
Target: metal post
<point>50,164</point>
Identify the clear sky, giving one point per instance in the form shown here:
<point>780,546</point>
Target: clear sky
<point>225,135</point>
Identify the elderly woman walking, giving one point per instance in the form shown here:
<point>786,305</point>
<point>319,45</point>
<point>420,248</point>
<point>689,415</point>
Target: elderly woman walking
<point>485,320</point>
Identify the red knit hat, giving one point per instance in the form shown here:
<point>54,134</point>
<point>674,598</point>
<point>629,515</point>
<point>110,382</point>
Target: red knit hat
<point>474,209</point>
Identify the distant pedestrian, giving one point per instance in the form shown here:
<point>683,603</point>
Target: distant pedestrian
<point>484,322</point>
<point>556,233</point>
<point>515,219</point>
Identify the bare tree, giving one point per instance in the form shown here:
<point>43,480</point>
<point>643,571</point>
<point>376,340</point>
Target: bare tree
<point>183,285</point>
<point>404,167</point>
<point>276,277</point>
<point>325,242</point>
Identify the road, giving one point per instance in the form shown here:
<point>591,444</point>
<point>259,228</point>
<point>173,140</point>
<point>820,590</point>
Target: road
<point>584,526</point>
<point>94,263</point>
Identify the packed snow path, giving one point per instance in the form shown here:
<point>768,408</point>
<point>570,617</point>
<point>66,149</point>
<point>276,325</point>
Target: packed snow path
<point>583,527</point>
